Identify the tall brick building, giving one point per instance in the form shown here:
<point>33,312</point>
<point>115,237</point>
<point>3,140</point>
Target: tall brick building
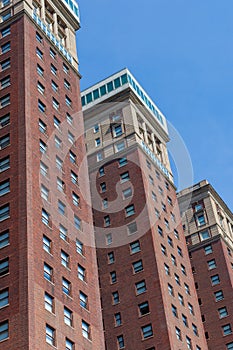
<point>208,227</point>
<point>148,296</point>
<point>49,291</point>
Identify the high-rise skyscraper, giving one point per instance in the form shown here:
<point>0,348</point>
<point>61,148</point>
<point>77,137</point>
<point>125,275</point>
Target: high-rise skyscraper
<point>147,290</point>
<point>208,227</point>
<point>49,292</point>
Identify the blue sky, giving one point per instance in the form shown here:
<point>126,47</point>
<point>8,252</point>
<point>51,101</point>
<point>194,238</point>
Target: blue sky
<point>181,52</point>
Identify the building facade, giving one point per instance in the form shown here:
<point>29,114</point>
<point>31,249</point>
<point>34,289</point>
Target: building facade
<point>49,290</point>
<point>147,289</point>
<point>208,227</point>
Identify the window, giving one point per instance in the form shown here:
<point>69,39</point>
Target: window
<point>124,177</point>
<point>39,53</point>
<point>132,228</point>
<point>181,299</point>
<point>4,330</point>
<point>151,180</point>
<point>230,346</point>
<point>39,38</point>
<point>56,104</point>
<point>47,244</point>
<point>59,163</point>
<point>83,299</point>
<point>167,224</point>
<point>72,157</point>
<point>48,272</point>
<point>200,219</point>
<point>120,146</point>
<point>43,169</point>
<point>108,238</point>
<point>41,106</point>
<point>222,312</point>
<point>185,320</point>
<point>63,232</point>
<point>105,203</point>
<point>74,178</point>
<point>187,290</point>
<point>140,287</point>
<point>170,242</point>
<point>40,70</point>
<point>120,342</point>
<point>4,239</point>
<point>65,69</point>
<point>75,199</point>
<point>122,162</point>
<point>176,234</point>
<point>4,297</point>
<point>117,130</point>
<point>5,31</point>
<point>204,235</point>
<point>113,277</point>
<point>65,259</point>
<point>183,269</point>
<point>226,329</point>
<point>52,54</point>
<point>96,128</point>
<point>42,127</point>
<point>103,187</point>
<point>4,212</point>
<point>79,247</point>
<point>208,249</point>
<point>4,267</point>
<point>77,222</point>
<point>5,100</point>
<point>66,84</point>
<point>50,335</point>
<point>43,147</point>
<point>163,249</point>
<point>5,82</point>
<point>111,258</point>
<point>164,207</point>
<point>190,307</point>
<point>215,280</point>
<point>129,211</point>
<point>81,272</point>
<point>170,290</point>
<point>4,187</point>
<point>71,138</point>
<point>167,269</point>
<point>40,88</point>
<point>178,334</point>
<point>160,190</point>
<point>97,142</point>
<point>53,69</point>
<point>143,308</point>
<point>5,64</point>
<point>68,101</point>
<point>189,343</point>
<point>54,86</point>
<point>86,330</point>
<point>107,221</point>
<point>69,118</point>
<point>115,298</point>
<point>117,318</point>
<point>66,286</point>
<point>173,258</point>
<point>174,310</point>
<point>56,123</point>
<point>211,264</point>
<point>179,250</point>
<point>147,331</point>
<point>6,47</point>
<point>137,266</point>
<point>195,330</point>
<point>68,317</point>
<point>160,231</point>
<point>49,302</point>
<point>69,344</point>
<point>60,185</point>
<point>61,208</point>
<point>44,192</point>
<point>135,247</point>
<point>4,164</point>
